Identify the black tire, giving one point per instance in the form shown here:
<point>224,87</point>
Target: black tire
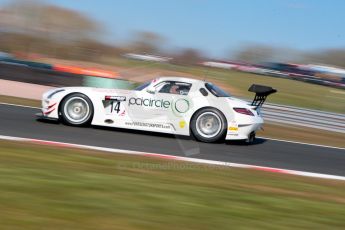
<point>251,139</point>
<point>71,102</point>
<point>208,125</point>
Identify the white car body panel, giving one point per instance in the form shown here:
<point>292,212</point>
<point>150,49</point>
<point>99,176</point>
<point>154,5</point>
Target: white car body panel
<point>157,112</point>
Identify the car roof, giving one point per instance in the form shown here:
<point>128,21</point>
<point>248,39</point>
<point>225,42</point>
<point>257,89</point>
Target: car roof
<point>182,79</point>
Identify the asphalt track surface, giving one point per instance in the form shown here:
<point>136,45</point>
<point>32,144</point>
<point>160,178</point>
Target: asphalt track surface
<point>21,122</point>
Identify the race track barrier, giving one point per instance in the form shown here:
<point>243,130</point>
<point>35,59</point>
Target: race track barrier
<point>334,122</point>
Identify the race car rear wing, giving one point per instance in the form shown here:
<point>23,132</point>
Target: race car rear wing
<point>261,93</point>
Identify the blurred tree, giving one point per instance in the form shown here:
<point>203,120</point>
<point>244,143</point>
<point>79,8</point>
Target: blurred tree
<point>36,18</point>
<point>188,56</point>
<point>256,53</point>
<point>146,42</point>
<point>334,57</point>
<point>33,26</point>
<point>92,50</point>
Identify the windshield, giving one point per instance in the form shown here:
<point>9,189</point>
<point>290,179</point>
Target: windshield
<point>216,91</point>
<point>143,86</point>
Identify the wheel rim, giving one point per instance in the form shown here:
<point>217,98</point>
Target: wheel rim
<point>208,124</point>
<point>77,109</point>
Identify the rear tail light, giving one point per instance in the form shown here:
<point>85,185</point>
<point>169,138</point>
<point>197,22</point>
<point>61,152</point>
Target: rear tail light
<point>243,111</point>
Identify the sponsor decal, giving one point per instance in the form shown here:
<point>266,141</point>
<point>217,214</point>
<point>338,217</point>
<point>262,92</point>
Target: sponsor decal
<point>178,106</point>
<point>181,105</point>
<point>182,124</point>
<point>115,98</point>
<point>233,126</point>
<point>149,125</point>
<point>149,102</point>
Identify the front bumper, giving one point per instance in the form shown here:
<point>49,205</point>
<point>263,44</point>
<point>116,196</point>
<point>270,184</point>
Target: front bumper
<point>50,104</point>
<point>41,116</point>
<point>49,109</point>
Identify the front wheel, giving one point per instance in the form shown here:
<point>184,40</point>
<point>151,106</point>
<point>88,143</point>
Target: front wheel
<point>209,125</point>
<point>76,109</point>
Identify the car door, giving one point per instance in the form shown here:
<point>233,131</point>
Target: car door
<point>159,107</point>
<point>175,96</point>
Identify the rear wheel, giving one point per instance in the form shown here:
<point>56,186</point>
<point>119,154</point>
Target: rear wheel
<point>76,109</point>
<point>208,125</point>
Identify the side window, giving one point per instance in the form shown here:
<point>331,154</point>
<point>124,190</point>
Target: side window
<point>174,87</point>
<point>216,91</point>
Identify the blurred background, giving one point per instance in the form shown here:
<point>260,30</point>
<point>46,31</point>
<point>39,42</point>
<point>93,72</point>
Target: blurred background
<point>295,46</point>
<point>299,40</point>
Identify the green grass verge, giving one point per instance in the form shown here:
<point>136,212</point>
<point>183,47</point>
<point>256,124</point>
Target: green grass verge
<point>20,101</point>
<point>47,188</point>
<point>290,92</point>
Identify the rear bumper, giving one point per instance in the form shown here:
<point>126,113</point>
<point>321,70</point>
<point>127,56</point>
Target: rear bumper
<point>242,131</point>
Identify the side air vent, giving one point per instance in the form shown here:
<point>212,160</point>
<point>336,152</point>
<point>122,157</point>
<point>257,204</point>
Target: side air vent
<point>203,91</point>
<point>109,121</point>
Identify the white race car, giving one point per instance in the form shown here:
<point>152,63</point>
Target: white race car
<point>174,105</point>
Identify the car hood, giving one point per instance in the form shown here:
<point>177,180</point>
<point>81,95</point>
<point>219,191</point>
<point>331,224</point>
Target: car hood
<point>96,90</point>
